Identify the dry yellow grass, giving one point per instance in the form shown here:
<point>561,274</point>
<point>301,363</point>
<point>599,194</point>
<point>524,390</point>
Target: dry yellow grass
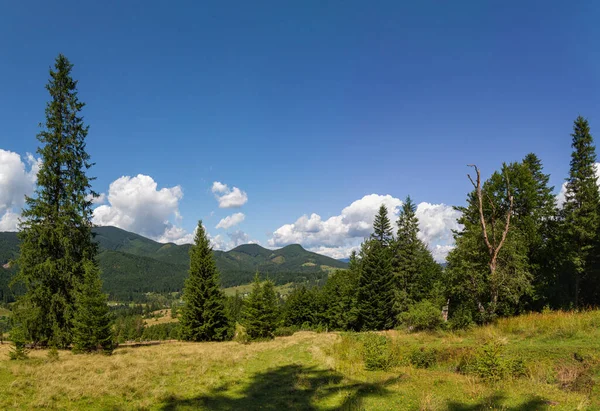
<point>132,378</point>
<point>162,317</point>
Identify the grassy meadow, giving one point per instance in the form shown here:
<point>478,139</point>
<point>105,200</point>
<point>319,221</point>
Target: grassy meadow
<point>558,358</point>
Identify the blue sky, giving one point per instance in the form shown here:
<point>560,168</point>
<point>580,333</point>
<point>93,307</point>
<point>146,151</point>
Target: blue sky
<point>305,106</point>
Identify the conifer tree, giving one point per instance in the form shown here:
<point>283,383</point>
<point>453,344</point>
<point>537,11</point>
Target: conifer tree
<point>375,293</point>
<point>260,310</point>
<point>203,317</point>
<point>56,237</point>
<point>580,217</point>
<point>91,322</point>
<point>414,267</point>
<point>382,228</point>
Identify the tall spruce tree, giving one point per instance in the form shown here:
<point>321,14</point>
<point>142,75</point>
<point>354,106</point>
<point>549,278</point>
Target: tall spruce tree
<point>375,293</point>
<point>382,228</point>
<point>204,316</point>
<point>92,321</point>
<point>415,270</point>
<point>260,310</point>
<point>56,237</point>
<point>580,217</point>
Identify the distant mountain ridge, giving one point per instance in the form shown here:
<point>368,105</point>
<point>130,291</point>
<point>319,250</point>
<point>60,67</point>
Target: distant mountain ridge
<point>133,264</point>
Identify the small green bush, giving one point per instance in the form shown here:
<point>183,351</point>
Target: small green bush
<point>18,351</point>
<point>491,363</point>
<point>378,352</point>
<point>52,354</point>
<point>423,315</point>
<point>423,357</point>
<point>461,319</point>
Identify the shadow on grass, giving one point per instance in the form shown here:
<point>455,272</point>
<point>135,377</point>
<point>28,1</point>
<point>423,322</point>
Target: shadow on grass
<point>495,402</point>
<point>291,387</point>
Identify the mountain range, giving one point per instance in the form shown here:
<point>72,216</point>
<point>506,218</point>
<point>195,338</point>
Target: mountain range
<point>133,264</point>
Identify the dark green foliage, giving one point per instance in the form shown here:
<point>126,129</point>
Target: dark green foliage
<point>53,354</point>
<point>382,227</point>
<point>375,294</point>
<point>423,315</point>
<point>164,331</point>
<point>129,328</point>
<point>203,317</point>
<point>416,273</point>
<point>338,299</point>
<point>470,282</point>
<point>260,316</point>
<point>378,352</point>
<point>234,306</point>
<point>91,321</point>
<point>301,307</point>
<point>55,234</point>
<point>580,219</point>
<point>423,357</point>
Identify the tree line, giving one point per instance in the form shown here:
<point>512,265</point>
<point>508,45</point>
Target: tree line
<point>518,250</point>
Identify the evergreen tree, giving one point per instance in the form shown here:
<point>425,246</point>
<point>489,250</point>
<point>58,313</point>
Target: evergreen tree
<point>580,218</point>
<point>203,317</point>
<point>91,322</point>
<point>375,293</point>
<point>56,237</point>
<point>382,228</point>
<point>301,307</point>
<point>339,299</point>
<point>471,285</point>
<point>260,310</point>
<point>416,272</point>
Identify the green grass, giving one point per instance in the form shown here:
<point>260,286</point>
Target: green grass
<point>309,371</point>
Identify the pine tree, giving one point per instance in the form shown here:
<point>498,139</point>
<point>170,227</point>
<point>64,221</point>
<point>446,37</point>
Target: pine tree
<point>416,272</point>
<point>580,217</point>
<point>204,317</point>
<point>382,228</point>
<point>260,310</point>
<point>375,293</point>
<point>91,322</point>
<point>56,237</point>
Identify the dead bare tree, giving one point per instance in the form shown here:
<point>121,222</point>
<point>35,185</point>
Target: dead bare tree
<point>491,242</point>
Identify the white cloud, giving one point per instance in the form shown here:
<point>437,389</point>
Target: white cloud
<point>339,235</point>
<point>136,204</point>
<point>231,220</point>
<point>17,179</point>
<point>229,198</point>
<point>99,199</point>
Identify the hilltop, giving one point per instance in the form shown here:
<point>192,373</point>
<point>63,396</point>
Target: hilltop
<point>133,264</point>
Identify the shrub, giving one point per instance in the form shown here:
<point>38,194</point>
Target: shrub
<point>52,354</point>
<point>490,363</point>
<point>423,357</point>
<point>378,352</point>
<point>423,315</point>
<point>461,319</point>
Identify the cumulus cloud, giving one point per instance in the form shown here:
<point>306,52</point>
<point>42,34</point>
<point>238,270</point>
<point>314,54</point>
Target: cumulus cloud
<point>231,220</point>
<point>229,198</point>
<point>136,204</point>
<point>99,199</point>
<point>339,235</point>
<point>17,179</point>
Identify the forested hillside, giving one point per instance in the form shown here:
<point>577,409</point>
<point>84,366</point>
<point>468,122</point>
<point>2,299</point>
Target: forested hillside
<point>132,264</point>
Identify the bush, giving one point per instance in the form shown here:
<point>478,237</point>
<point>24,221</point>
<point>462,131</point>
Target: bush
<point>423,315</point>
<point>461,319</point>
<point>52,354</point>
<point>378,352</point>
<point>423,357</point>
<point>18,351</point>
<point>490,363</point>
